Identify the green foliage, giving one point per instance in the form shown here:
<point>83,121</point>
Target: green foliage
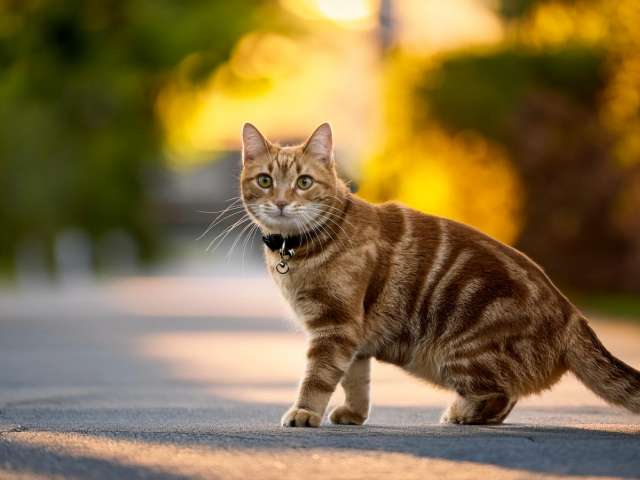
<point>543,105</point>
<point>480,91</point>
<point>512,9</point>
<point>515,8</point>
<point>78,81</point>
<point>619,305</point>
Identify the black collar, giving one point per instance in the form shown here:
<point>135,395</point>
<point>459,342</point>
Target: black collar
<point>274,242</point>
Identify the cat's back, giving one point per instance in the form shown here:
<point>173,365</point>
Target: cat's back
<point>420,236</point>
<point>431,264</point>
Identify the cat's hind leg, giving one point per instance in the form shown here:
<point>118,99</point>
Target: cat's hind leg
<point>356,388</point>
<point>490,409</point>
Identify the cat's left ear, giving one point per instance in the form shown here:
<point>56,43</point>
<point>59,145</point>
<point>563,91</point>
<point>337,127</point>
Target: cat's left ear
<point>254,144</point>
<point>320,144</point>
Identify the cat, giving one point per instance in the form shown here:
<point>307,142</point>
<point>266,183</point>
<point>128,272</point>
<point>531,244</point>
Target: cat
<point>438,298</point>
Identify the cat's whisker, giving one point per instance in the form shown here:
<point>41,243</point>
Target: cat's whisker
<point>321,205</point>
<point>310,222</point>
<point>335,234</point>
<point>315,222</point>
<point>345,233</point>
<point>226,232</point>
<point>218,219</point>
<point>244,244</point>
<point>237,239</point>
<point>222,239</point>
<point>306,234</point>
<point>227,228</point>
<point>254,234</point>
<point>301,232</point>
<point>340,199</point>
<point>330,220</point>
<point>305,228</point>
<point>216,222</point>
<point>328,206</point>
<point>313,206</point>
<point>231,207</point>
<point>228,256</point>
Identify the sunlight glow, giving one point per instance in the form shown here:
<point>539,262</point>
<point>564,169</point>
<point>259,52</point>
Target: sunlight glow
<point>287,86</point>
<point>347,14</point>
<point>428,27</point>
<point>143,454</point>
<point>265,367</point>
<point>346,9</point>
<point>211,298</point>
<point>463,177</point>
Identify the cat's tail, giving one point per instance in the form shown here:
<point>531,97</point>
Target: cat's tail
<point>609,378</point>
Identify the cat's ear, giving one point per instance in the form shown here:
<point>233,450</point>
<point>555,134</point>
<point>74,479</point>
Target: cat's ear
<point>320,144</point>
<point>254,144</point>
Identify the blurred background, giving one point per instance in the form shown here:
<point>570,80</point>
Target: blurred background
<point>120,130</point>
<point>120,121</point>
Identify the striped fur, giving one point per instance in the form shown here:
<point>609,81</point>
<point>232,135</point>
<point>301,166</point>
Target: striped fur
<point>437,298</point>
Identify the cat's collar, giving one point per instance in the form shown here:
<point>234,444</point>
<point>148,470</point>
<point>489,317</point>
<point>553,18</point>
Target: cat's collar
<point>275,242</point>
<point>285,245</point>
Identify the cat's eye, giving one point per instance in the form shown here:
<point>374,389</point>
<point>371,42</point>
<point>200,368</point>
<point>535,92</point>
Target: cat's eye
<point>264,181</point>
<point>304,182</point>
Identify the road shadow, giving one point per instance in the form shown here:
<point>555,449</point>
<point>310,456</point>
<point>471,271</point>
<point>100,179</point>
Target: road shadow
<point>96,353</point>
<point>541,449</point>
<point>26,460</point>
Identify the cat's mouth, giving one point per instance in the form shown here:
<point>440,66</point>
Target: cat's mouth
<point>281,217</point>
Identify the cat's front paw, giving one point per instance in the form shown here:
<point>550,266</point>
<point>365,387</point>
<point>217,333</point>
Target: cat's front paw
<point>299,417</point>
<point>449,417</point>
<point>345,416</point>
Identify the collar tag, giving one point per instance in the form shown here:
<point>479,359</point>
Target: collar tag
<point>283,267</point>
<point>285,248</point>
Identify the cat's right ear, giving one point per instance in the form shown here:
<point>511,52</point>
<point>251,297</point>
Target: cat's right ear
<point>254,144</point>
<point>320,144</point>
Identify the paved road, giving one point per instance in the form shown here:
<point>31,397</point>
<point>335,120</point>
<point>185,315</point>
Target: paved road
<point>163,379</point>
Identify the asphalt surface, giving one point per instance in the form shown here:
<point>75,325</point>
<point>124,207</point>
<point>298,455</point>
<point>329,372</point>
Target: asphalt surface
<point>163,379</point>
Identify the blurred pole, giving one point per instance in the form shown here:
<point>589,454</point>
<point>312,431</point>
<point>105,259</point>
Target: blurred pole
<point>386,25</point>
<point>73,253</point>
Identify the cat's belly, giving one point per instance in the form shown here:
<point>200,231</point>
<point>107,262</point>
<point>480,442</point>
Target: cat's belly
<point>420,363</point>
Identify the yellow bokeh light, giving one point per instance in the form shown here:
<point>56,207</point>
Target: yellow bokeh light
<point>554,24</point>
<point>284,84</point>
<point>264,55</point>
<point>307,9</point>
<point>288,84</point>
<point>346,9</point>
<point>462,177</point>
<point>347,14</point>
<point>423,28</point>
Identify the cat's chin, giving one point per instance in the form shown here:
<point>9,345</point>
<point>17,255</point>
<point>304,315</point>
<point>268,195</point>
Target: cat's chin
<point>281,224</point>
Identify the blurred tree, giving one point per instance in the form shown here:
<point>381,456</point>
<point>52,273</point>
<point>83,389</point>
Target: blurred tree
<point>78,81</point>
<point>561,94</point>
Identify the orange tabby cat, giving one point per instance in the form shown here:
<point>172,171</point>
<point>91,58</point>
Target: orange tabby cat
<point>438,298</point>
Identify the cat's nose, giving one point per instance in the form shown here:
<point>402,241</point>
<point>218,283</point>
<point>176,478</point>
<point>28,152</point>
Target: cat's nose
<point>281,204</point>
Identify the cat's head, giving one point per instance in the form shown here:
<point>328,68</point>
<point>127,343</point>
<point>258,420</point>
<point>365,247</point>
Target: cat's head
<point>288,190</point>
